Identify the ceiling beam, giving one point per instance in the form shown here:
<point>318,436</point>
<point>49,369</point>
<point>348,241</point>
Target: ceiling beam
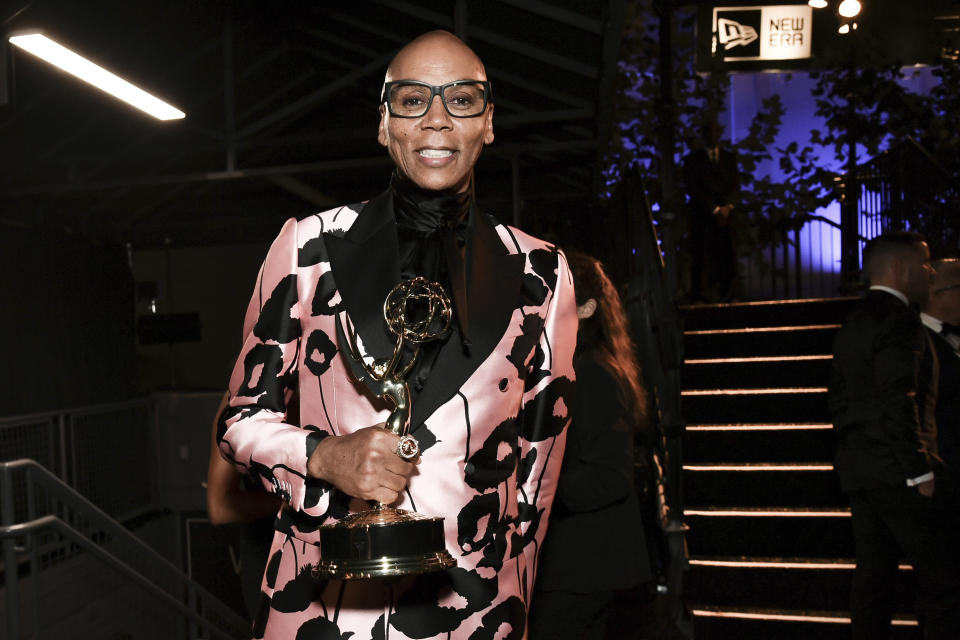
<point>491,37</point>
<point>547,92</point>
<point>331,38</point>
<point>378,64</point>
<point>569,18</point>
<point>203,176</point>
<point>303,190</point>
<point>494,72</point>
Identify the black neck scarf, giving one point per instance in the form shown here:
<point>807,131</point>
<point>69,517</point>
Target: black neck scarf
<point>433,229</point>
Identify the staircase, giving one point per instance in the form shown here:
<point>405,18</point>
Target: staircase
<point>771,550</point>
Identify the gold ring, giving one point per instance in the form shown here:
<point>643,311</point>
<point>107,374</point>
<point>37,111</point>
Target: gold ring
<point>408,448</point>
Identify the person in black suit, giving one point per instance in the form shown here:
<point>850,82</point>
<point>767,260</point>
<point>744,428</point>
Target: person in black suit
<point>712,181</point>
<point>595,545</point>
<point>881,394</point>
<point>941,315</point>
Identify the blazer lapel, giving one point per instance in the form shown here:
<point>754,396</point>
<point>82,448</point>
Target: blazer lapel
<point>365,268</point>
<point>493,292</point>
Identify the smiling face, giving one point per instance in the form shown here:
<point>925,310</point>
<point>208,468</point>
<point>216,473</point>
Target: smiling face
<point>436,151</point>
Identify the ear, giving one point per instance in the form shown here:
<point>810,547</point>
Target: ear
<point>587,309</point>
<point>382,129</point>
<point>488,129</point>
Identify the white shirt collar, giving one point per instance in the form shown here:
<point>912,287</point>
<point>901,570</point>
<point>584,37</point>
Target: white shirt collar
<point>899,296</point>
<point>935,324</point>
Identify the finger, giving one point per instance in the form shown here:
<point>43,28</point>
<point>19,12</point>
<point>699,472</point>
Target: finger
<point>392,481</point>
<point>397,465</point>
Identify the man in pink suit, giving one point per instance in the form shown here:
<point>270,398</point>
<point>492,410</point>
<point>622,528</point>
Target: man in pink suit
<point>489,400</point>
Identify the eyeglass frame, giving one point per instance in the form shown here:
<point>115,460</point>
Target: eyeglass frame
<point>437,90</point>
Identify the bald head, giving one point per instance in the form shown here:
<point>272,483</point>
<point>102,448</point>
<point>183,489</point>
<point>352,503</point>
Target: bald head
<point>944,300</point>
<point>881,251</point>
<point>899,260</point>
<point>432,50</point>
<point>436,149</point>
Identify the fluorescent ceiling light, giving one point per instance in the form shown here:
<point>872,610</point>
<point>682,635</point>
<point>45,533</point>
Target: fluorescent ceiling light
<point>817,4</point>
<point>76,65</point>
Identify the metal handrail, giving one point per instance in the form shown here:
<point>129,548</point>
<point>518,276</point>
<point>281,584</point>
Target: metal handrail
<point>657,323</point>
<point>39,476</point>
<point>55,523</point>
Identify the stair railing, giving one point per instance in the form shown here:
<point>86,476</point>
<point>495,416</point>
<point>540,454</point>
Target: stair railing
<point>91,530</point>
<point>655,319</point>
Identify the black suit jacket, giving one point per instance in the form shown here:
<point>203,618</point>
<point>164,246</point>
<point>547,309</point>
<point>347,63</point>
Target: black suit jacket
<point>710,184</point>
<point>595,541</point>
<point>881,394</point>
<point>948,417</point>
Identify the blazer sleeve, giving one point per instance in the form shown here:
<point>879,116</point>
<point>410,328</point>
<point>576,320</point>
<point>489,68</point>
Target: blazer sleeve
<point>598,462</point>
<point>898,351</point>
<point>253,433</point>
<point>544,418</point>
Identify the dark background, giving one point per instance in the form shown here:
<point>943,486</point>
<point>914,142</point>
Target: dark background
<point>281,102</point>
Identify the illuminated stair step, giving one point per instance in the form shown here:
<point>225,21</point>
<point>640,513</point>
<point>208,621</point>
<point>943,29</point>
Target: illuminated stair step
<point>806,564</point>
<point>745,427</point>
<point>782,583</point>
<point>773,371</point>
<point>759,359</point>
<point>779,615</point>
<point>812,564</point>
<point>759,342</point>
<point>759,485</point>
<point>759,466</point>
<point>733,405</point>
<point>767,512</point>
<point>762,330</point>
<point>784,624</point>
<point>754,392</point>
<point>767,312</point>
<point>745,443</point>
<point>818,532</point>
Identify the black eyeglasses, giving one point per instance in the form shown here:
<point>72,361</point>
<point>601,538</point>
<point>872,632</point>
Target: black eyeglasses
<point>412,98</point>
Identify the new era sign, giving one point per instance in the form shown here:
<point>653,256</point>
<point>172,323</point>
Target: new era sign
<point>776,32</point>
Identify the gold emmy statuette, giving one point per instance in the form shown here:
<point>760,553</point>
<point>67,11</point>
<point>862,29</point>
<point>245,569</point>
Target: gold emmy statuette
<point>383,541</point>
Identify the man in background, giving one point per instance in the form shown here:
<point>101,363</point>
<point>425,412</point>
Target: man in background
<point>882,394</point>
<point>711,179</point>
<point>941,316</point>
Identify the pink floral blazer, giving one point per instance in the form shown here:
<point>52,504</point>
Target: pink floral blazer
<point>490,423</point>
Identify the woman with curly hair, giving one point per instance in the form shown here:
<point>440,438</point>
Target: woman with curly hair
<point>595,544</point>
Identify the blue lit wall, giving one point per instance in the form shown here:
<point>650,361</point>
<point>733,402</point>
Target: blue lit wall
<point>819,242</point>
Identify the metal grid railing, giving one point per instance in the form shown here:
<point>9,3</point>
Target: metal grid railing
<point>805,265</point>
<point>80,447</point>
<point>66,551</point>
<point>120,484</point>
<point>907,187</point>
<point>70,569</point>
